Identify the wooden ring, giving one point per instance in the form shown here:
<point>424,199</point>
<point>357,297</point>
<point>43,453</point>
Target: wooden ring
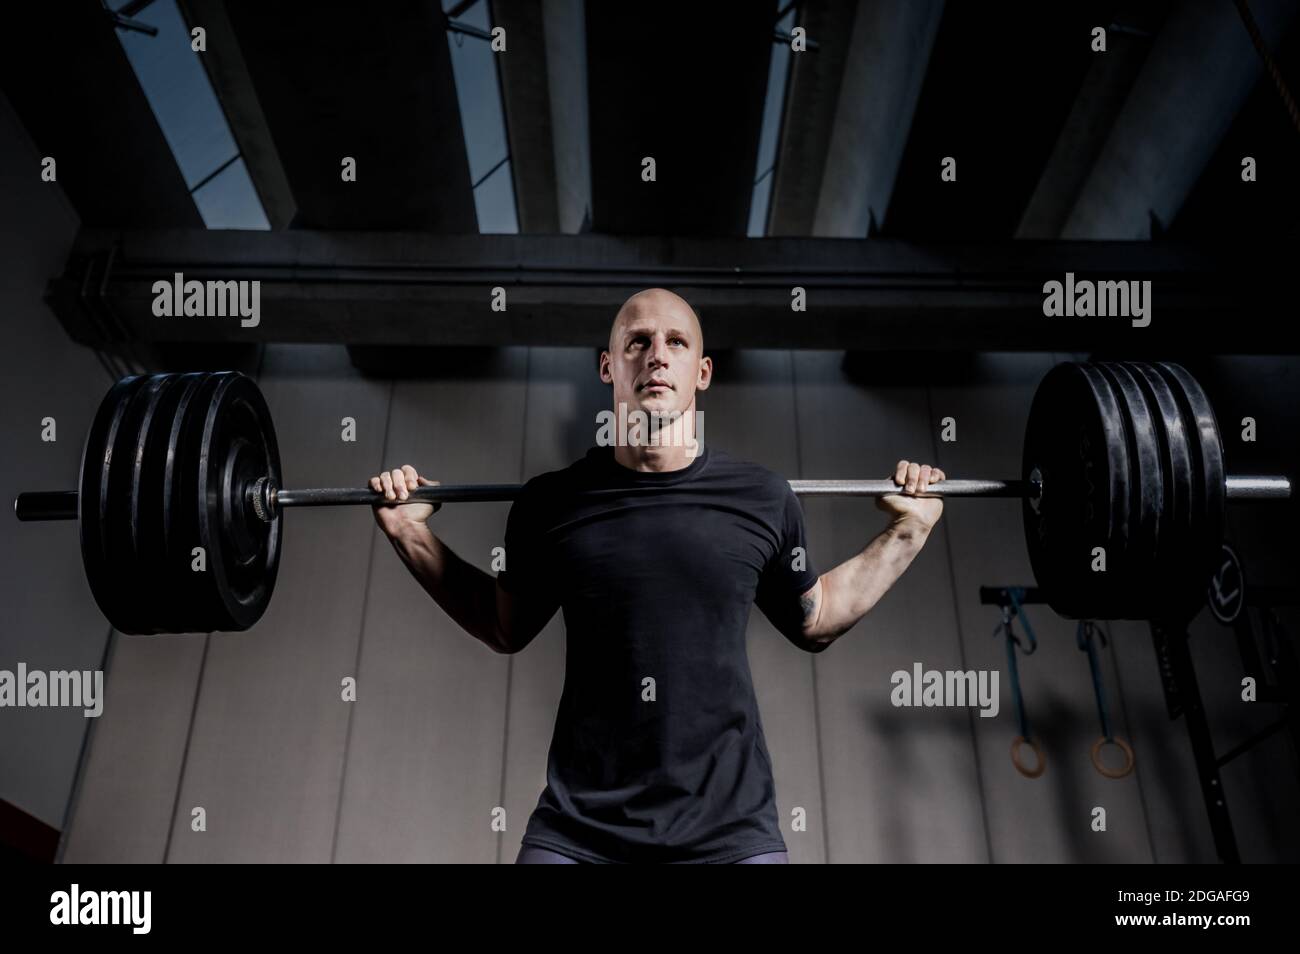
<point>1109,772</point>
<point>1038,753</point>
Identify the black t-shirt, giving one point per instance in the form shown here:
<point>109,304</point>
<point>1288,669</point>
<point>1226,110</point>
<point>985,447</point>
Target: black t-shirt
<point>658,753</point>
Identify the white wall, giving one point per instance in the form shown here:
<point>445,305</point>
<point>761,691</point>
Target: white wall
<point>47,617</point>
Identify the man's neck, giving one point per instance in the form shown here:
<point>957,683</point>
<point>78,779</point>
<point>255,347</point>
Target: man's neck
<point>654,459</point>
<point>673,446</point>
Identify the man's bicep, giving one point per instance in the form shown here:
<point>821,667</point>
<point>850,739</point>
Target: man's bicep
<point>790,591</point>
<point>525,591</point>
<point>809,605</point>
<point>522,614</point>
<point>793,612</point>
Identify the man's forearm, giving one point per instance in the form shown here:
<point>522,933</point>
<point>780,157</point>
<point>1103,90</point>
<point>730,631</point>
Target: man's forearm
<point>465,593</point>
<point>850,590</point>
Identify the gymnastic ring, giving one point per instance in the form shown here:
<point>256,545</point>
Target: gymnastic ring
<point>1109,772</point>
<point>1015,757</point>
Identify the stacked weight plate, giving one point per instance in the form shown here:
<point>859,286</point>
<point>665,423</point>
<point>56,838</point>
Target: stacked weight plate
<point>237,447</point>
<point>1131,470</point>
<point>165,471</point>
<point>99,502</point>
<point>1191,570</point>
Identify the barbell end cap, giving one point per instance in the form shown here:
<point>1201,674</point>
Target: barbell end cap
<point>31,506</point>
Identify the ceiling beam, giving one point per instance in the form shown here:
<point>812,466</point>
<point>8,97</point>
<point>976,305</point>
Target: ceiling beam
<point>228,74</point>
<point>878,294</point>
<point>891,44</point>
<point>336,82</point>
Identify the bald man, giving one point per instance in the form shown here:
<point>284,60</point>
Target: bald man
<point>655,546</point>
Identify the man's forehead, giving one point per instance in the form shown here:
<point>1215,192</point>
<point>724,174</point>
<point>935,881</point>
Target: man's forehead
<point>646,314</point>
<point>639,325</point>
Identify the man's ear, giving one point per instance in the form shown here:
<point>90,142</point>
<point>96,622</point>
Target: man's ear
<point>706,374</point>
<point>605,374</point>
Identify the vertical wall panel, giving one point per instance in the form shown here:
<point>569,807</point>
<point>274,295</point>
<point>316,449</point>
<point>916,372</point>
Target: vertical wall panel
<point>424,764</point>
<point>901,783</point>
<point>1046,819</point>
<point>129,782</point>
<point>50,621</point>
<point>267,745</point>
<point>1165,769</point>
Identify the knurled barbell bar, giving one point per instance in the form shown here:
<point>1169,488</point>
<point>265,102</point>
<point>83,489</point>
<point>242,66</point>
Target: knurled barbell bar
<point>1122,469</point>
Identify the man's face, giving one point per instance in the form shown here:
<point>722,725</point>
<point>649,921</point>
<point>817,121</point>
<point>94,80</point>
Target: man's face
<point>655,359</point>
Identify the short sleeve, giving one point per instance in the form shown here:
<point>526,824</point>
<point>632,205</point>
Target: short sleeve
<point>789,573</point>
<point>525,570</point>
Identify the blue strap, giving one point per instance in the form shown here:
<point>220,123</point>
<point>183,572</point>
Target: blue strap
<point>1006,628</point>
<point>1021,718</point>
<point>1083,638</point>
<point>1016,594</point>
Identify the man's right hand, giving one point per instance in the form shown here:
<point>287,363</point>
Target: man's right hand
<point>397,485</point>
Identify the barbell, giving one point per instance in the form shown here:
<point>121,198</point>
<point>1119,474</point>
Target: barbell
<point>1122,483</point>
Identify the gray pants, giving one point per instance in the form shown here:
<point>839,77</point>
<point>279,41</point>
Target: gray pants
<point>532,855</point>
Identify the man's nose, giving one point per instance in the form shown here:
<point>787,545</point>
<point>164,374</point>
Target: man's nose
<point>658,352</point>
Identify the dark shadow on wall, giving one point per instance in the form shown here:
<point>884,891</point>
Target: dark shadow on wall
<point>431,362</point>
<point>1259,804</point>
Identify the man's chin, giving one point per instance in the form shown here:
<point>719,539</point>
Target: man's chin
<point>657,403</point>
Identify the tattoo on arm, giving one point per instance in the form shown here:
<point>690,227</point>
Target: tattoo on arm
<point>809,606</point>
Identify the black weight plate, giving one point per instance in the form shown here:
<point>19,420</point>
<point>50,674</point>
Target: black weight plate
<point>132,597</point>
<point>1074,443</point>
<point>205,605</point>
<point>173,561</point>
<point>1135,564</point>
<point>93,500</point>
<point>145,542</point>
<point>193,598</point>
<point>1106,593</point>
<point>146,547</point>
<point>1176,527</point>
<point>238,447</point>
<point>1209,478</point>
<point>117,528</point>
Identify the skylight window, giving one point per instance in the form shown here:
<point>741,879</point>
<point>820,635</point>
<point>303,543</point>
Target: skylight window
<point>157,44</point>
<point>777,73</point>
<point>481,117</point>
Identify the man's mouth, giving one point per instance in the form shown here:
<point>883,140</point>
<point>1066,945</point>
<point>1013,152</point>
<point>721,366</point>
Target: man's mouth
<point>656,386</point>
